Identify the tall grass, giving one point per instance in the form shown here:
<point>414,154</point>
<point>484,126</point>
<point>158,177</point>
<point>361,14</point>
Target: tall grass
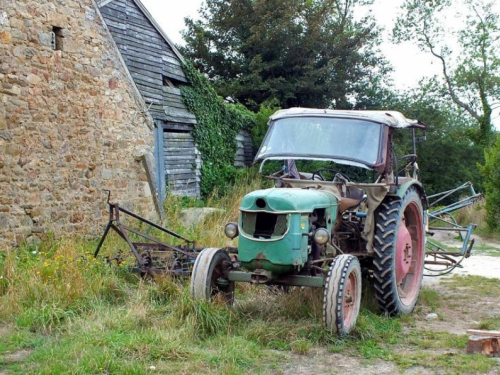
<point>75,314</point>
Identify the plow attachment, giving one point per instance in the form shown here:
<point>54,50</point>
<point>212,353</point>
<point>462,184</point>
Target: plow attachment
<point>439,259</point>
<point>153,256</point>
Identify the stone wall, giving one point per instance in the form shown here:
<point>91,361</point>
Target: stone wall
<point>70,122</point>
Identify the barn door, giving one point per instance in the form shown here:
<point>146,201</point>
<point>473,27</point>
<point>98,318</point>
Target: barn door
<point>181,163</point>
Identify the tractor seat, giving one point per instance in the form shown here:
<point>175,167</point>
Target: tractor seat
<point>352,198</point>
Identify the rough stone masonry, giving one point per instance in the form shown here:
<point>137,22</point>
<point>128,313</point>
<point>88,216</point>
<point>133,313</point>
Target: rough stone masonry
<point>70,122</point>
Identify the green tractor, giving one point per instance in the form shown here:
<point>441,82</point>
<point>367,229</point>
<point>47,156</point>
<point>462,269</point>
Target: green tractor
<point>321,229</point>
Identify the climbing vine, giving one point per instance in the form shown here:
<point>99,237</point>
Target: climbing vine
<point>218,124</point>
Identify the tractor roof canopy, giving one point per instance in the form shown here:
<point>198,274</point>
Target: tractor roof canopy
<point>356,138</point>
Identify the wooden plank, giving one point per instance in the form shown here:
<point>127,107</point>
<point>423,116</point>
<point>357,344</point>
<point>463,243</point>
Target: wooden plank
<point>179,137</point>
<point>186,182</point>
<point>172,97</point>
<point>153,48</point>
<point>178,145</point>
<point>180,119</point>
<point>174,71</point>
<point>148,87</point>
<point>166,58</point>
<point>483,333</point>
<point>178,112</point>
<point>178,126</point>
<point>179,159</point>
<point>176,105</point>
<point>138,65</point>
<point>171,153</point>
<point>135,39</point>
<point>177,176</point>
<point>147,59</point>
<point>147,76</point>
<point>172,90</point>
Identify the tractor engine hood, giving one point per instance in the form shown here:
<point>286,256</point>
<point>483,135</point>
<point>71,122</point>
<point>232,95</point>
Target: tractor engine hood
<point>288,200</point>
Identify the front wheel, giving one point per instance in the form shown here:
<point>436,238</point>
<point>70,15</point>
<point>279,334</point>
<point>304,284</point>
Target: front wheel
<point>399,253</point>
<point>342,294</point>
<point>208,281</point>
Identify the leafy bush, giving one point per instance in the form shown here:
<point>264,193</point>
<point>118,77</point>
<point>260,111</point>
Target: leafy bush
<point>218,124</point>
<point>261,120</point>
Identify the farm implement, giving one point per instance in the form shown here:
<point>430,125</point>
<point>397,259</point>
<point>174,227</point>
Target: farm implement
<point>439,259</point>
<point>152,255</point>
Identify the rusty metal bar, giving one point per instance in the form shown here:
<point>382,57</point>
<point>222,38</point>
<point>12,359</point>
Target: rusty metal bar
<point>187,252</point>
<point>154,225</point>
<point>151,238</point>
<point>132,247</point>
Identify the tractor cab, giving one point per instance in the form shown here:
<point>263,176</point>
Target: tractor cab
<point>361,139</point>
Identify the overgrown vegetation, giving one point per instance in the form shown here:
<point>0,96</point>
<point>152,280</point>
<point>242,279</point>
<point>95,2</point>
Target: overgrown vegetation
<point>218,123</point>
<point>491,171</point>
<point>61,311</point>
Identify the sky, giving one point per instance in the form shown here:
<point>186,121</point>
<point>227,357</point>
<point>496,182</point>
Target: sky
<point>409,63</point>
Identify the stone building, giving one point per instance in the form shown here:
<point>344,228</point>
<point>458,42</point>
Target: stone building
<point>72,122</point>
<point>90,100</point>
<point>156,67</point>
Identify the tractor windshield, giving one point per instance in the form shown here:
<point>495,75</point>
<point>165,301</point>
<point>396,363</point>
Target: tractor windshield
<point>338,139</point>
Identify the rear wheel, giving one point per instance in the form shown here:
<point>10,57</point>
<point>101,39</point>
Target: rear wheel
<point>399,253</point>
<point>208,281</point>
<point>342,294</point>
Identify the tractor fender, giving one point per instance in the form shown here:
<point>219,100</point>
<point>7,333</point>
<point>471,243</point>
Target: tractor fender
<point>403,188</point>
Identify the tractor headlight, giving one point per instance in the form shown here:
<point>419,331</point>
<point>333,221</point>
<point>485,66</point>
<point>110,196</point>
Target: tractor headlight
<point>321,236</point>
<point>231,230</point>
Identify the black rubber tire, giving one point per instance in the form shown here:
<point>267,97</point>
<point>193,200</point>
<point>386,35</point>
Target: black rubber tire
<point>335,288</point>
<point>388,221</point>
<point>207,270</point>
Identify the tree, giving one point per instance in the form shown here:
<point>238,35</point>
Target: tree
<point>491,171</point>
<point>448,157</point>
<point>299,52</point>
<point>471,71</point>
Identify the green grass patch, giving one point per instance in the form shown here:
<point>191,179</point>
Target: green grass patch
<point>67,312</point>
<point>490,324</point>
<point>479,285</point>
<point>430,297</point>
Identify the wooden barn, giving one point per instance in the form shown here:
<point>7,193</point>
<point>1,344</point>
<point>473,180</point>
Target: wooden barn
<point>156,68</point>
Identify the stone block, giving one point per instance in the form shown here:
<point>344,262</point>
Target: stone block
<point>46,39</point>
<point>4,19</point>
<point>5,37</point>
<point>33,79</point>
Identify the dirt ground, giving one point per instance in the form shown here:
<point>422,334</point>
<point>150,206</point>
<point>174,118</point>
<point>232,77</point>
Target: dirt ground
<point>457,314</point>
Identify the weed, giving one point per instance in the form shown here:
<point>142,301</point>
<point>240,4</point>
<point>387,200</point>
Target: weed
<point>492,323</point>
<point>481,285</point>
<point>300,346</point>
<point>430,298</point>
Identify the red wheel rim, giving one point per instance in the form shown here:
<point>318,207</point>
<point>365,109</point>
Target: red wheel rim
<point>350,298</point>
<point>409,254</point>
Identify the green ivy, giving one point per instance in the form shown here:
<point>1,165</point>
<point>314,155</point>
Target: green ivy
<point>218,124</point>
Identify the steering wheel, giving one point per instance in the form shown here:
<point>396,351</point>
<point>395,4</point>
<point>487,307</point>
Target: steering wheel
<point>334,171</point>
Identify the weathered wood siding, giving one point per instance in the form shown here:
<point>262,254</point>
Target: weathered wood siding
<point>155,68</point>
<point>244,150</point>
<point>182,163</point>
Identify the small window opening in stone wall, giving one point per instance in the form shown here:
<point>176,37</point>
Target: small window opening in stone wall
<point>57,38</point>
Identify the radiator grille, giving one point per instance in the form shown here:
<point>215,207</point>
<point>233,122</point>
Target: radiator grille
<point>264,225</point>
